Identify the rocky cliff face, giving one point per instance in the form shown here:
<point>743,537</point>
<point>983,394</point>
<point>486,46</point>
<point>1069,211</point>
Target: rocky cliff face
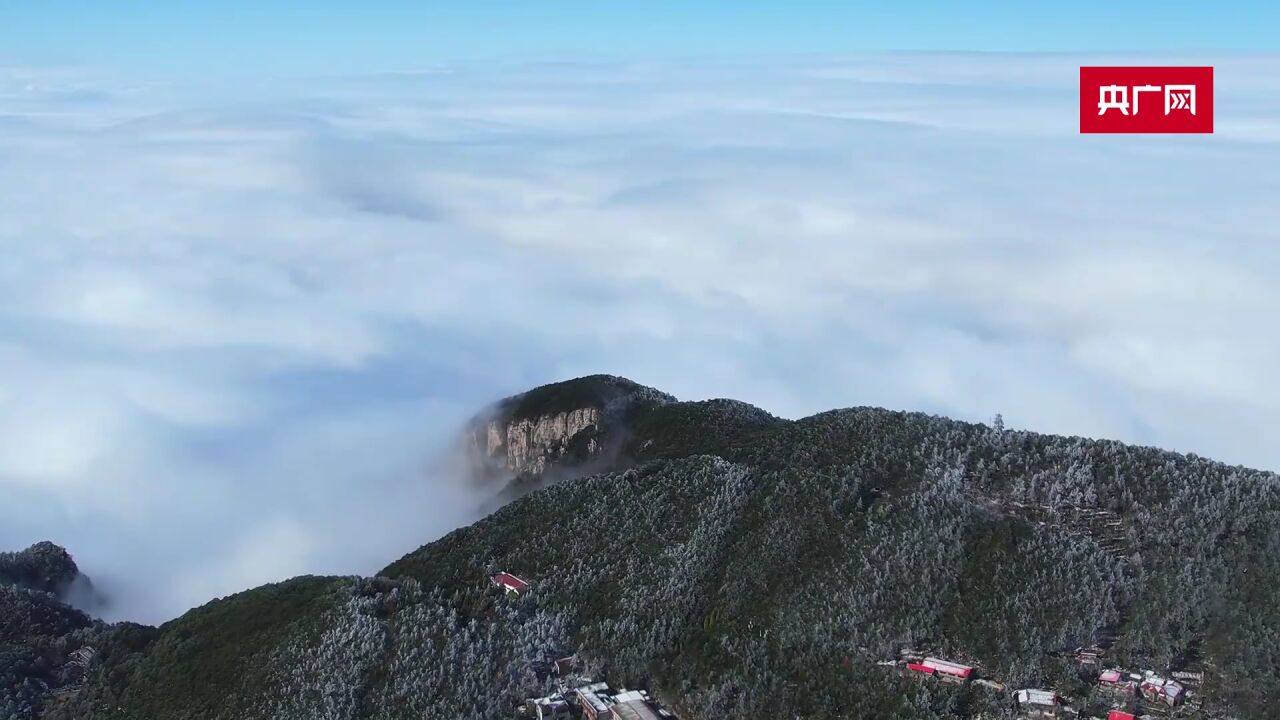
<point>555,429</point>
<point>530,445</point>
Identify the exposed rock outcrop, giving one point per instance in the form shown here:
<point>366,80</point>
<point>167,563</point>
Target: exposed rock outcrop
<point>528,445</point>
<point>555,430</point>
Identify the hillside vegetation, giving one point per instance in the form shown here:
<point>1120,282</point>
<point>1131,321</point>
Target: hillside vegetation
<point>742,565</point>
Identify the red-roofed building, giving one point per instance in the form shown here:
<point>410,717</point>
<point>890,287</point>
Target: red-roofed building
<point>509,582</point>
<point>1117,682</point>
<point>948,670</point>
<point>1118,715</point>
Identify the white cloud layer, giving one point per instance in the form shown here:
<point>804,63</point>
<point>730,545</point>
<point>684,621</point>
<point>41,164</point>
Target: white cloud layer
<point>236,322</point>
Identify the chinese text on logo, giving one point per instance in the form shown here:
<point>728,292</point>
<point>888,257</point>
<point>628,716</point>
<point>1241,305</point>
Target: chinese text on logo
<point>1146,99</point>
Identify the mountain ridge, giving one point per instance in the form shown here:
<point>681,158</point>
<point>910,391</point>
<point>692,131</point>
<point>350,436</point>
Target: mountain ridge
<point>734,562</point>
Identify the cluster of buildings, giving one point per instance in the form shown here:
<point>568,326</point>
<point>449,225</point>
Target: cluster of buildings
<point>577,696</point>
<point>580,697</point>
<point>1150,686</point>
<point>595,701</point>
<point>598,702</point>
<point>1037,704</point>
<point>75,672</point>
<point>1033,703</point>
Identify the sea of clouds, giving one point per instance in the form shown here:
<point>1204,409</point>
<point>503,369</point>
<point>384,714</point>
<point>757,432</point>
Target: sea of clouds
<point>238,321</point>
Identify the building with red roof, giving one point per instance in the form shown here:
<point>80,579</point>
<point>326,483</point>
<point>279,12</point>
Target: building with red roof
<point>948,669</point>
<point>953,672</point>
<point>509,582</point>
<point>1117,682</point>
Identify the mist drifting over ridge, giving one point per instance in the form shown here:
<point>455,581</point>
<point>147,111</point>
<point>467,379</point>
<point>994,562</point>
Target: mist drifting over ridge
<point>237,326</point>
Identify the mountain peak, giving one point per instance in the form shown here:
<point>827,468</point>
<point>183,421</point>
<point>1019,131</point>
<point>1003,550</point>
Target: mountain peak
<point>589,391</point>
<point>48,567</point>
<point>44,566</point>
<point>568,427</point>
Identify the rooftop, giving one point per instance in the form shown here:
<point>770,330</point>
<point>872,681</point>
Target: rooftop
<point>1037,697</point>
<point>946,667</point>
<point>509,581</point>
<point>591,694</point>
<point>635,710</point>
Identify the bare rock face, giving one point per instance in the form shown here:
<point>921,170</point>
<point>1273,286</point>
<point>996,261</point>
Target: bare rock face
<point>529,445</point>
<point>557,429</point>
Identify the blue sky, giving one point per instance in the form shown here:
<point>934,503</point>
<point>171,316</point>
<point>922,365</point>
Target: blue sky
<point>293,38</point>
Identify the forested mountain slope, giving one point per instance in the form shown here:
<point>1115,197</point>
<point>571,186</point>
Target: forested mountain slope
<point>742,565</point>
<point>39,629</point>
